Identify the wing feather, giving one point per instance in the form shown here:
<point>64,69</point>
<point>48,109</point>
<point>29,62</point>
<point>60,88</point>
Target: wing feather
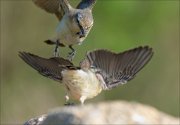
<point>50,6</point>
<point>119,68</point>
<point>50,68</point>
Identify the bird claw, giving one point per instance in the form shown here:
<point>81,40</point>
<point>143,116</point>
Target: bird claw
<point>69,104</point>
<point>71,55</point>
<point>56,54</point>
<point>56,50</point>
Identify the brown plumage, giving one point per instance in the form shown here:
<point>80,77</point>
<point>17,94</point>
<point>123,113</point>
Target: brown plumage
<point>100,70</point>
<point>74,23</point>
<point>121,67</point>
<point>51,6</point>
<point>54,6</point>
<point>50,68</point>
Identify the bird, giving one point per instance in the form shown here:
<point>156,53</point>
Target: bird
<point>74,23</point>
<point>99,70</point>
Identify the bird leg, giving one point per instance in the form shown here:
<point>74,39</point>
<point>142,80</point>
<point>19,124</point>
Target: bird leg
<point>71,54</point>
<point>67,101</point>
<point>66,98</point>
<point>82,99</point>
<point>56,50</point>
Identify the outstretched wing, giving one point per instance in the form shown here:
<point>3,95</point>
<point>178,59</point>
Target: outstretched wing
<point>50,68</point>
<point>51,6</point>
<point>119,68</point>
<point>56,6</point>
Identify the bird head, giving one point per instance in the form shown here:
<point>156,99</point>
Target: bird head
<point>84,20</point>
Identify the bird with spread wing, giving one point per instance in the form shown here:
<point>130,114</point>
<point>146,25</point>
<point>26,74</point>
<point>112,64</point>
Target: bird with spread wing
<point>74,23</point>
<point>99,70</point>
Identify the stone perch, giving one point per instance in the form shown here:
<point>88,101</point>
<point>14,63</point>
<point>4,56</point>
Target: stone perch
<point>117,112</point>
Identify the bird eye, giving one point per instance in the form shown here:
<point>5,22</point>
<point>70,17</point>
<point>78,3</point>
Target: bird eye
<point>79,16</point>
<point>78,33</point>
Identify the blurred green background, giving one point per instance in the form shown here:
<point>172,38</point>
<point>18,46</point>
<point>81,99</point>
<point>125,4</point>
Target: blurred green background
<point>119,25</point>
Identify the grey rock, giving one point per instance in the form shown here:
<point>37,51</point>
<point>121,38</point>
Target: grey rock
<point>118,112</point>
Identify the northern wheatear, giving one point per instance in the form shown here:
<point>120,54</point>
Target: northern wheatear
<point>100,70</point>
<point>74,24</point>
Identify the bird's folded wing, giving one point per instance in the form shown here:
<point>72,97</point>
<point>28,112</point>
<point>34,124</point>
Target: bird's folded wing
<point>119,68</point>
<point>50,68</point>
<point>51,6</point>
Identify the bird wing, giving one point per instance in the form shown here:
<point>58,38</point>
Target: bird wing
<point>119,68</point>
<point>86,4</point>
<point>51,6</point>
<point>50,68</point>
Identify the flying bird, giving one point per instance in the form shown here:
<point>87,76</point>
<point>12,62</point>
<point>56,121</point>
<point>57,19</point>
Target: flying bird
<point>99,70</point>
<point>74,23</point>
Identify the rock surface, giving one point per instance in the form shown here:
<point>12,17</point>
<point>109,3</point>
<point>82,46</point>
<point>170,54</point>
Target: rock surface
<point>118,112</point>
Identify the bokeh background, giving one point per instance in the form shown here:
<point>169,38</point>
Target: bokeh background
<point>119,25</point>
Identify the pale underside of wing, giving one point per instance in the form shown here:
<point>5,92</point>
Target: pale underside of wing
<point>50,68</point>
<point>51,6</point>
<point>117,69</point>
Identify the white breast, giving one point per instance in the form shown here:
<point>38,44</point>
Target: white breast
<point>81,83</point>
<point>66,32</point>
